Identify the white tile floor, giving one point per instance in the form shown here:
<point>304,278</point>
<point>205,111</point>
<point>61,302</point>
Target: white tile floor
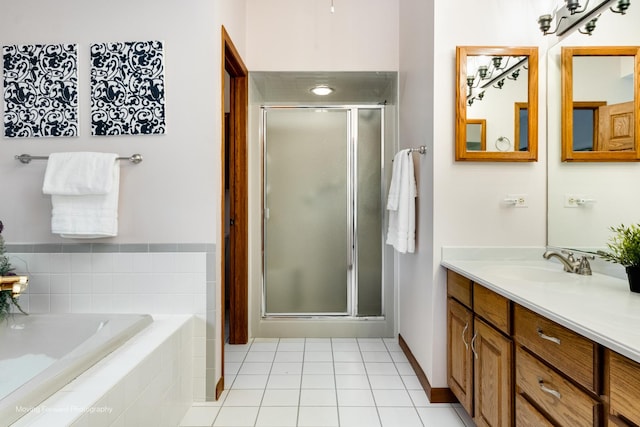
<point>321,382</point>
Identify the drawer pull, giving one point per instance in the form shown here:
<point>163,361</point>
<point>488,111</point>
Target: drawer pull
<point>473,344</point>
<point>466,344</point>
<point>548,390</point>
<point>547,337</point>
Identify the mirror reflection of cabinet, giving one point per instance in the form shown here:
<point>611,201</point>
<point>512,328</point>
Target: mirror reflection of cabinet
<point>492,83</point>
<point>599,101</point>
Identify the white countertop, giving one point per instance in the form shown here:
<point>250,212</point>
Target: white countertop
<point>599,307</point>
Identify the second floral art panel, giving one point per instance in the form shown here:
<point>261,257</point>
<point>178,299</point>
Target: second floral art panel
<point>127,88</point>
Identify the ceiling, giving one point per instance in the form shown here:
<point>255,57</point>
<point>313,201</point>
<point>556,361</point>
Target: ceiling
<point>349,87</point>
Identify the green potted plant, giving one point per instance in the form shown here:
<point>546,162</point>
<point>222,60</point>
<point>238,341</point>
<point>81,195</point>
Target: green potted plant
<point>624,249</point>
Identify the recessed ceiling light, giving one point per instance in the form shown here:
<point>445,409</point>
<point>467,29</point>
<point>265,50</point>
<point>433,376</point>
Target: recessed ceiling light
<point>321,90</point>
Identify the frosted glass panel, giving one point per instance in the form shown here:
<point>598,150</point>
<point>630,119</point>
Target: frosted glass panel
<point>369,213</point>
<point>306,220</point>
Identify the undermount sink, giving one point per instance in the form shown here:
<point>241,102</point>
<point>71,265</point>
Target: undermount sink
<point>553,273</point>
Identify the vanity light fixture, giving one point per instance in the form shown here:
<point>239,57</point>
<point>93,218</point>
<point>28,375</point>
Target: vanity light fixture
<point>544,22</point>
<point>321,90</point>
<point>589,27</point>
<point>573,5</point>
<point>491,73</point>
<point>573,15</point>
<point>622,7</point>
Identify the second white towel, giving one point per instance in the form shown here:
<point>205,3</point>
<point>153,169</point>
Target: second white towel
<point>84,190</point>
<point>401,204</point>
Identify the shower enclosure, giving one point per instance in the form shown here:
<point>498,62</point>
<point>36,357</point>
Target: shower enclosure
<point>323,190</point>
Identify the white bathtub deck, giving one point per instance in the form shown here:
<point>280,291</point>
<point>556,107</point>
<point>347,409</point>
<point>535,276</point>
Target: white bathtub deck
<point>149,378</point>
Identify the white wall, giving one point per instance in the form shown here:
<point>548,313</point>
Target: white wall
<point>294,35</point>
<point>172,195</point>
<point>459,202</point>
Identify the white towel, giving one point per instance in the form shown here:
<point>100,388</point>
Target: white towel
<point>401,204</point>
<point>72,174</point>
<point>86,215</point>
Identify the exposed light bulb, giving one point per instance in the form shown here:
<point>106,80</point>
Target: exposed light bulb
<point>333,9</point>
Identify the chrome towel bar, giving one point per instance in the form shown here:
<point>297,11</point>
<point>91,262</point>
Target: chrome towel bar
<point>26,158</point>
<point>422,149</point>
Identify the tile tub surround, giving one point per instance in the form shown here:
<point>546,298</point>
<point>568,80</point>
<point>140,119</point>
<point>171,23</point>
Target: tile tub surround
<point>147,381</point>
<point>126,278</point>
<point>348,382</point>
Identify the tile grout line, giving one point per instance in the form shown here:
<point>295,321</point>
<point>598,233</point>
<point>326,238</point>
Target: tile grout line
<point>373,395</point>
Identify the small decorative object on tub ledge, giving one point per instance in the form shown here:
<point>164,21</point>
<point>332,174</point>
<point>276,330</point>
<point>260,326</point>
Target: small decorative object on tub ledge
<point>624,249</point>
<point>10,285</point>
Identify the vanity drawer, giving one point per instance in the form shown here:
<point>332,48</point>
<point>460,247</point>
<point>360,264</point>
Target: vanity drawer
<point>624,387</point>
<point>492,307</point>
<point>459,288</point>
<point>562,401</point>
<point>528,416</point>
<point>573,355</point>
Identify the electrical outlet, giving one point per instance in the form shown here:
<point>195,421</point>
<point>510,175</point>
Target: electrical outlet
<point>571,200</point>
<point>518,200</point>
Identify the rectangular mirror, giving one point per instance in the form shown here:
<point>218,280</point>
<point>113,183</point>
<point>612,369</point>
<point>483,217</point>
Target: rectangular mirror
<point>608,188</point>
<point>599,100</point>
<point>493,83</point>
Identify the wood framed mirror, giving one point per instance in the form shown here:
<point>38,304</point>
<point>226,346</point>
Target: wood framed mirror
<point>492,83</point>
<point>600,101</point>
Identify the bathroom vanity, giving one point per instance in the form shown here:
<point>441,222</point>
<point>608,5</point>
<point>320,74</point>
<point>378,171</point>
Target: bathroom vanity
<point>531,345</point>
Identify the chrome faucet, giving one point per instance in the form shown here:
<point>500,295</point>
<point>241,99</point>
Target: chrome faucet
<point>571,265</point>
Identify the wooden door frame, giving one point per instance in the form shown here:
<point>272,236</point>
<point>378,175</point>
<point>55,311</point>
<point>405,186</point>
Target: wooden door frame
<point>238,235</point>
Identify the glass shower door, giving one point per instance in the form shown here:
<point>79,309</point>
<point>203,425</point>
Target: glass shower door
<point>307,193</point>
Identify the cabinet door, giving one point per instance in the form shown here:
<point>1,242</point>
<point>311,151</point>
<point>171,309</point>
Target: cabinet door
<point>624,387</point>
<point>459,359</point>
<point>493,378</point>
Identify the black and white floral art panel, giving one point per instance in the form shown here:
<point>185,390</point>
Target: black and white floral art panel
<point>127,88</point>
<point>40,90</point>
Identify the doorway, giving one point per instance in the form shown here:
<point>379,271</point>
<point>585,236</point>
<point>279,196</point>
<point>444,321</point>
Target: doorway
<point>234,252</point>
<point>355,93</point>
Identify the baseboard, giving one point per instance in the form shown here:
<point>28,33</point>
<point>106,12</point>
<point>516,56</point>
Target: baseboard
<point>219,387</point>
<point>435,395</point>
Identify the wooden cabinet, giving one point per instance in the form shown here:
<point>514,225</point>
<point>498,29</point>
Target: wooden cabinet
<point>556,396</point>
<point>568,352</point>
<point>459,335</point>
<point>493,380</point>
<point>460,361</point>
<point>509,365</point>
<point>528,416</point>
<point>480,351</point>
<point>624,390</point>
<point>557,370</point>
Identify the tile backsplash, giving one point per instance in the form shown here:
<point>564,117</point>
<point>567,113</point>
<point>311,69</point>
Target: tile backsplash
<point>152,282</point>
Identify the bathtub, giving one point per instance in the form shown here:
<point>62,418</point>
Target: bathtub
<point>41,353</point>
